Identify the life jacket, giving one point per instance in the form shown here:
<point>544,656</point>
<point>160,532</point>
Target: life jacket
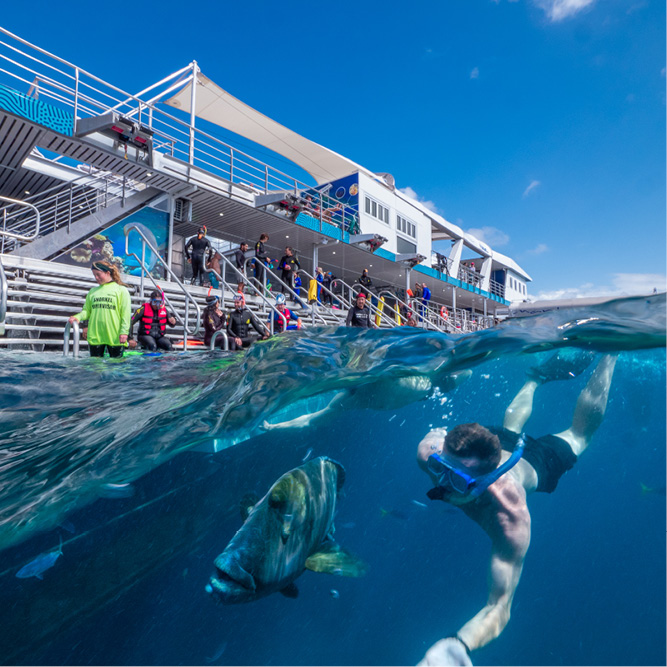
<point>147,319</point>
<point>443,313</point>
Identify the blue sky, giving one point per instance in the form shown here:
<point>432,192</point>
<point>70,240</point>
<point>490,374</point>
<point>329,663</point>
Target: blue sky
<point>539,125</point>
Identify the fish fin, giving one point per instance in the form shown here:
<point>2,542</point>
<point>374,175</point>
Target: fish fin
<point>290,591</point>
<point>247,503</point>
<point>332,559</point>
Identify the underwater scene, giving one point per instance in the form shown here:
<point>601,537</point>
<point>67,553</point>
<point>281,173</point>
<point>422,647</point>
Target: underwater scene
<point>267,508</point>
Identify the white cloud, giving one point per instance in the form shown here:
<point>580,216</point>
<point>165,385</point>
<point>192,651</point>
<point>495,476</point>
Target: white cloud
<point>490,235</point>
<point>475,73</point>
<point>622,284</point>
<point>531,187</point>
<point>539,249</point>
<point>557,10</point>
<point>424,202</point>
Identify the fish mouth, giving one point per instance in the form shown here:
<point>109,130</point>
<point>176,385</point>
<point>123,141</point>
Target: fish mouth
<point>231,583</point>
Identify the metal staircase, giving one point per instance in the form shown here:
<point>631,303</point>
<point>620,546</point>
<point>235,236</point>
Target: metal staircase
<point>42,295</point>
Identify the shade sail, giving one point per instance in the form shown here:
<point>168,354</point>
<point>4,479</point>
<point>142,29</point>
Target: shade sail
<point>219,107</point>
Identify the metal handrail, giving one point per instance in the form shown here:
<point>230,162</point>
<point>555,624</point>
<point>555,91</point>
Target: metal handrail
<point>4,290</point>
<point>382,293</point>
<point>20,237</point>
<point>74,325</point>
<point>337,297</point>
<point>243,279</point>
<point>224,338</point>
<point>373,308</point>
<point>188,297</point>
<point>280,282</point>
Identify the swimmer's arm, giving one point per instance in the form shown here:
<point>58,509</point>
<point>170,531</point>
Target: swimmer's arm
<point>488,623</point>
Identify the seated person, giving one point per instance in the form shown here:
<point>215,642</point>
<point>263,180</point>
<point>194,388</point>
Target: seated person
<point>215,320</point>
<point>293,320</point>
<point>360,314</point>
<point>153,319</point>
<point>240,321</point>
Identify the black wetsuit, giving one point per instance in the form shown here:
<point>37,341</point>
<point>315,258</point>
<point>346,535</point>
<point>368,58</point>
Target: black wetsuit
<point>261,259</point>
<point>359,317</point>
<point>199,247</point>
<point>239,325</point>
<point>216,322</point>
<point>288,276</point>
<point>366,283</point>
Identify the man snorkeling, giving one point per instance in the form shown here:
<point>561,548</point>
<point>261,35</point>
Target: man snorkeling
<point>488,472</point>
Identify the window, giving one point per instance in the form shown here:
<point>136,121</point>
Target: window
<point>377,210</point>
<point>403,246</point>
<point>405,226</point>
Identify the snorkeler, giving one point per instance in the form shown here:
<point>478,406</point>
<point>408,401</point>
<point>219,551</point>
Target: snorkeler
<point>239,323</point>
<point>487,472</point>
<point>201,252</point>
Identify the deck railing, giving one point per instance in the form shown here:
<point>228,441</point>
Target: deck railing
<point>41,75</point>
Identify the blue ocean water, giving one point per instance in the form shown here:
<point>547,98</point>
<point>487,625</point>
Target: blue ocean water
<point>139,466</point>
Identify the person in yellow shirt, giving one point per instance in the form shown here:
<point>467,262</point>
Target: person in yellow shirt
<point>108,311</point>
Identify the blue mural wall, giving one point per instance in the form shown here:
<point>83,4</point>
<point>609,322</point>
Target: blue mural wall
<point>109,244</point>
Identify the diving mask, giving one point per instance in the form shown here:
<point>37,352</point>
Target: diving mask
<point>450,477</point>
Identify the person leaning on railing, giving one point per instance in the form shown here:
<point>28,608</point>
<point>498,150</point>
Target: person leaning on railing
<point>107,309</point>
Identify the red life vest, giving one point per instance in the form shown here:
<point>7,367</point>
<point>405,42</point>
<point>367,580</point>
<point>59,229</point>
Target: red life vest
<point>147,319</point>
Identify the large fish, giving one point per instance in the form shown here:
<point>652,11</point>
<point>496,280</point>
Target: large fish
<point>287,531</point>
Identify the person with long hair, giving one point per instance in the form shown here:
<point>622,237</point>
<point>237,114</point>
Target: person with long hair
<point>108,311</point>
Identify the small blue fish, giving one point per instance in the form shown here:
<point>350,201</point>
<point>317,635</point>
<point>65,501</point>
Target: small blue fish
<point>68,526</point>
<point>334,593</point>
<point>307,456</point>
<point>37,567</point>
<point>416,502</point>
<point>218,653</point>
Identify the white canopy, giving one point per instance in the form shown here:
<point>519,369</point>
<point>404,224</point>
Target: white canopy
<point>219,107</point>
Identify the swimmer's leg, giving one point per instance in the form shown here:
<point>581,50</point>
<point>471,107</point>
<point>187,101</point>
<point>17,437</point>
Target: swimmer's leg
<point>519,410</point>
<point>591,406</point>
<point>307,419</point>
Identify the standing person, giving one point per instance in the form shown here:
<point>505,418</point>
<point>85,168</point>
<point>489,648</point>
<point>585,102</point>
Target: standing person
<point>240,321</point>
<point>201,252</point>
<point>487,472</point>
<point>366,282</point>
<point>326,283</point>
<point>107,309</point>
<point>297,289</point>
<point>215,320</point>
<point>261,259</point>
<point>319,277</point>
<point>239,262</point>
<point>289,265</point>
<point>426,297</point>
<point>360,314</point>
<point>214,265</point>
<point>153,319</point>
<point>291,318</point>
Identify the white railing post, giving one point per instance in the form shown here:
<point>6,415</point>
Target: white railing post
<point>193,102</point>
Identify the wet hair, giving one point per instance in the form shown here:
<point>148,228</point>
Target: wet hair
<point>110,268</point>
<point>264,237</point>
<point>156,294</point>
<point>474,440</point>
<point>243,243</point>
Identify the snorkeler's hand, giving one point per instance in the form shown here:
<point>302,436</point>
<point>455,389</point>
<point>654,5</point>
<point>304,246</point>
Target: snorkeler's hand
<point>123,339</point>
<point>132,343</point>
<point>71,320</point>
<point>449,651</point>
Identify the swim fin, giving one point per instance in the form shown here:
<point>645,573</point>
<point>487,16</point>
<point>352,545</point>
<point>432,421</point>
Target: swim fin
<point>563,365</point>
